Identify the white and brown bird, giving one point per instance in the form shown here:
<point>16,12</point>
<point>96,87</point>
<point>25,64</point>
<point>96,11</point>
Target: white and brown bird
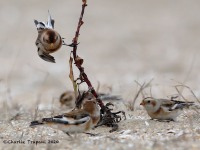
<point>75,121</point>
<point>164,109</point>
<point>48,40</point>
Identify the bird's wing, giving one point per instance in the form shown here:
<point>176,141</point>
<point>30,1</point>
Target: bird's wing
<point>63,119</point>
<point>181,104</point>
<point>174,104</point>
<point>69,118</point>
<point>104,96</point>
<point>50,22</point>
<point>40,25</point>
<point>76,114</point>
<point>166,102</point>
<point>45,56</point>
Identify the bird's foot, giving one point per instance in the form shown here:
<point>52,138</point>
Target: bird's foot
<point>91,134</point>
<point>167,120</point>
<point>68,134</point>
<point>71,45</point>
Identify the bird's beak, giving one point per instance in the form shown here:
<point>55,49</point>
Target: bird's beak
<point>51,45</point>
<point>142,103</point>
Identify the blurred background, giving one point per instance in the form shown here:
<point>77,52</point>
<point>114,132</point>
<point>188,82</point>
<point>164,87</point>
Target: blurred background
<point>120,42</point>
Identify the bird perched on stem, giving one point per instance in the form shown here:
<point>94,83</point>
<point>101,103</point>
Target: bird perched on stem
<point>79,120</point>
<point>48,40</point>
<point>163,109</point>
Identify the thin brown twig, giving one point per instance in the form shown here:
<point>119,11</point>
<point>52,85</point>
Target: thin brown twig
<point>182,85</point>
<point>180,93</point>
<point>36,112</point>
<point>108,118</point>
<point>189,117</point>
<point>77,59</point>
<point>150,91</point>
<point>131,104</point>
<point>142,92</point>
<point>142,87</point>
<point>191,67</point>
<point>98,86</point>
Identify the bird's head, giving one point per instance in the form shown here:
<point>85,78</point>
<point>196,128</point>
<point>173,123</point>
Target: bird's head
<point>67,98</point>
<point>150,104</point>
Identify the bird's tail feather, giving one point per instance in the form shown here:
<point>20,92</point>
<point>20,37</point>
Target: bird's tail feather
<point>183,105</point>
<point>62,120</point>
<point>50,22</point>
<point>34,123</point>
<point>195,106</point>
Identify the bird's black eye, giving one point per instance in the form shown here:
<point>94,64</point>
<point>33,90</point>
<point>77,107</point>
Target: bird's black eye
<point>148,101</point>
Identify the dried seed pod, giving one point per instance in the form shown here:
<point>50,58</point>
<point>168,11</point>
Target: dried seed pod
<point>78,61</point>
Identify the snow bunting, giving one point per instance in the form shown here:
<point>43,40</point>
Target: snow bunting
<point>68,98</point>
<point>163,109</point>
<point>48,40</point>
<point>74,121</point>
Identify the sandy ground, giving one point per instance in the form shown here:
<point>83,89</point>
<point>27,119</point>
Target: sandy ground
<point>121,42</point>
<point>136,132</point>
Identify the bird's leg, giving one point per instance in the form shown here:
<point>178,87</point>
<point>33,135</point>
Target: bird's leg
<point>68,134</point>
<point>91,134</point>
<point>70,45</point>
<point>167,120</point>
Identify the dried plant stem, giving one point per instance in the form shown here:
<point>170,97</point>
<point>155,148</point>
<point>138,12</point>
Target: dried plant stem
<point>108,118</point>
<point>185,86</point>
<point>142,87</point>
<point>83,77</point>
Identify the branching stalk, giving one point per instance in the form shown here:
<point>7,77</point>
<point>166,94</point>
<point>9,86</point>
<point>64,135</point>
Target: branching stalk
<point>108,118</point>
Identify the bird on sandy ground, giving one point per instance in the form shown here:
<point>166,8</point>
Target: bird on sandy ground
<point>68,99</point>
<point>164,109</point>
<point>79,120</point>
<point>48,40</point>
